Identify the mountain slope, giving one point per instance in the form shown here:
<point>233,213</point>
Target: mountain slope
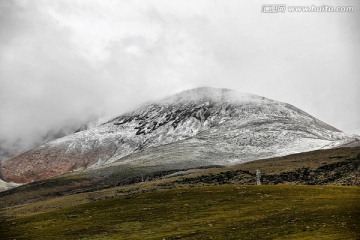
<point>198,127</point>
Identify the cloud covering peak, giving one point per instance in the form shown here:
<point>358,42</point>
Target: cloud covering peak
<point>65,62</point>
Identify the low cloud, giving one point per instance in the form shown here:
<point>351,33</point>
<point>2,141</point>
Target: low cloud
<point>63,63</point>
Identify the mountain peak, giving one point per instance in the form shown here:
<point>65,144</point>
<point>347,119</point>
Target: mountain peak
<point>211,95</point>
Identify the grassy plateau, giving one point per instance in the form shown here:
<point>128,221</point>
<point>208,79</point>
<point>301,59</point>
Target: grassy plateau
<point>206,212</point>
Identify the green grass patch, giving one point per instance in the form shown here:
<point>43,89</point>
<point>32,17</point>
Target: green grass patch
<point>212,212</point>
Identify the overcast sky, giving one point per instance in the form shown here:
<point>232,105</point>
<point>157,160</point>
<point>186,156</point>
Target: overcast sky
<point>63,62</point>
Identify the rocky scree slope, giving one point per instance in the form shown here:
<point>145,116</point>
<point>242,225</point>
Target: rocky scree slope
<point>199,127</point>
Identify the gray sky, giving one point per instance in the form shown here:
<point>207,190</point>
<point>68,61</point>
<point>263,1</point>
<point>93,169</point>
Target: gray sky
<point>63,62</point>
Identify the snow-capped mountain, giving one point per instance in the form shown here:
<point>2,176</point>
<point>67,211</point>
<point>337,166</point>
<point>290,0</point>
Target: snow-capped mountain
<point>199,127</point>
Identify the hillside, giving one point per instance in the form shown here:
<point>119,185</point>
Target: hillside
<point>322,167</point>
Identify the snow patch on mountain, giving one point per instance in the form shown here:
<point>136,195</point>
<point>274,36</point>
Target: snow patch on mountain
<point>7,185</point>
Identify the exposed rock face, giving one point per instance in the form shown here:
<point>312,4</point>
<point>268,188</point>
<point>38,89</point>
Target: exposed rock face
<point>197,127</point>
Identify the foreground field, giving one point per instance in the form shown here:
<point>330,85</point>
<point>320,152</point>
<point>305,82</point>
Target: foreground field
<point>202,212</point>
